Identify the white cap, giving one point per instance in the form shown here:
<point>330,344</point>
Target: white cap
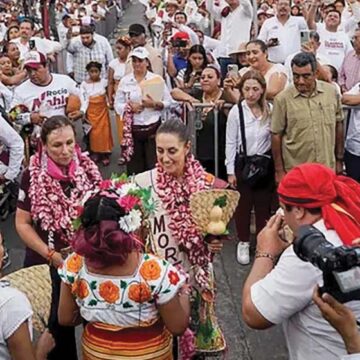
<point>139,52</point>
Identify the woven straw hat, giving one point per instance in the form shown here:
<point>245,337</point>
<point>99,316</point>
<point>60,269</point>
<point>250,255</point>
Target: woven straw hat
<point>202,202</point>
<point>35,283</point>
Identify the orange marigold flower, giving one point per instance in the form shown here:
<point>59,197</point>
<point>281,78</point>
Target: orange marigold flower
<point>139,293</point>
<point>173,277</point>
<point>150,270</point>
<point>109,291</point>
<point>80,289</point>
<point>74,263</point>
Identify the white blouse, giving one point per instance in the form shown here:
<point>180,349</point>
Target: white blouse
<point>118,68</point>
<point>88,90</point>
<point>257,133</point>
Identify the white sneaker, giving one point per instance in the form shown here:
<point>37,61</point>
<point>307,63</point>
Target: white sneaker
<point>243,253</point>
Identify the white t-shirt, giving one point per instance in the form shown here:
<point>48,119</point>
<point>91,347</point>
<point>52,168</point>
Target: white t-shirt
<point>352,142</point>
<point>285,296</point>
<point>334,45</point>
<point>91,89</point>
<point>49,100</point>
<point>118,68</point>
<point>287,34</point>
<point>15,309</point>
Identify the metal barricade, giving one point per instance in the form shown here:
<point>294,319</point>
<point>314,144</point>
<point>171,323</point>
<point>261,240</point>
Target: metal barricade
<point>192,117</point>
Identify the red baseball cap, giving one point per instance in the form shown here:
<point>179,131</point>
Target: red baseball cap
<point>33,59</point>
<point>181,35</point>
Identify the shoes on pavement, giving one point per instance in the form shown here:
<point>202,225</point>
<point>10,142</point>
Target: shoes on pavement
<point>243,253</point>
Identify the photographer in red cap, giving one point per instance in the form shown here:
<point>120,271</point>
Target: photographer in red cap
<point>280,286</point>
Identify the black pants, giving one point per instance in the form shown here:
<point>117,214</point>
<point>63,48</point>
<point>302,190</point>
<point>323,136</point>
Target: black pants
<point>352,165</point>
<point>144,157</point>
<point>64,336</point>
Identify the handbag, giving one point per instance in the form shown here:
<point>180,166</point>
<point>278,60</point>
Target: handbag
<point>251,169</point>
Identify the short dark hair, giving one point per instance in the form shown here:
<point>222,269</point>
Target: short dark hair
<point>93,64</point>
<point>86,29</point>
<point>175,127</point>
<point>180,13</point>
<point>54,123</point>
<point>334,11</point>
<point>314,35</point>
<point>28,20</point>
<point>303,59</point>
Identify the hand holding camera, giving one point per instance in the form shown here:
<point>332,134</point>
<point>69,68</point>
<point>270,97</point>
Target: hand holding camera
<point>273,42</point>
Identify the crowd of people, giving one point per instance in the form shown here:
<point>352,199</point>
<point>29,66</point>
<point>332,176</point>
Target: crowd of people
<point>267,87</point>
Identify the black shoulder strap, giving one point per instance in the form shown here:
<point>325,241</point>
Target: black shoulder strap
<point>242,128</point>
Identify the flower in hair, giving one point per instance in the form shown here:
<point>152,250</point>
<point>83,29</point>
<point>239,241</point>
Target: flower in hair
<point>131,222</point>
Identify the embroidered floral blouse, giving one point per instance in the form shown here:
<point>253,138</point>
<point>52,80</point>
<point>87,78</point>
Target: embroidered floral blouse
<point>123,301</point>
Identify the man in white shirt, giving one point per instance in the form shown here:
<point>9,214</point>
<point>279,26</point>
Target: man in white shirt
<point>280,292</point>
<point>14,145</point>
<point>335,44</point>
<point>26,35</point>
<point>281,33</point>
<point>236,18</point>
<point>352,141</point>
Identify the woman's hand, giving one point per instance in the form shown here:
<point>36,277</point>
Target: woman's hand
<point>215,246</point>
<point>232,180</point>
<point>75,115</point>
<point>44,345</point>
<point>56,260</point>
<point>136,107</point>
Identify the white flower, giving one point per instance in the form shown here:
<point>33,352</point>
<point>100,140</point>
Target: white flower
<point>131,222</point>
<point>124,189</point>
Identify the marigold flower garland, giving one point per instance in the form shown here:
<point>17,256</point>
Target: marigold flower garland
<point>127,143</point>
<point>175,197</point>
<point>49,204</point>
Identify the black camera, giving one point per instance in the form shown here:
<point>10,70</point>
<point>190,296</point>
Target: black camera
<point>340,265</point>
<point>179,43</point>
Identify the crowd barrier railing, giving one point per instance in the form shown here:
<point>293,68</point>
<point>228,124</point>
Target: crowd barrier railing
<point>192,116</point>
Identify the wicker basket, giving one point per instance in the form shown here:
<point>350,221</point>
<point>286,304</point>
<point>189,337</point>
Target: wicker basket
<point>202,202</point>
<point>35,283</point>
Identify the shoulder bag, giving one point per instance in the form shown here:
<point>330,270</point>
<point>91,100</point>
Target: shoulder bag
<point>251,169</point>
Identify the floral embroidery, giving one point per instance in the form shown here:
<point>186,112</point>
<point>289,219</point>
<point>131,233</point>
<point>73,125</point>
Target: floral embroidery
<point>150,270</point>
<point>74,263</point>
<point>139,293</point>
<point>109,291</point>
<point>127,143</point>
<point>49,204</point>
<point>80,289</point>
<point>173,277</point>
<point>175,197</point>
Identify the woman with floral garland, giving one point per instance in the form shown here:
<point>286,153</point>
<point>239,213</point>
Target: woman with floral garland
<point>132,301</point>
<point>57,178</point>
<point>174,236</point>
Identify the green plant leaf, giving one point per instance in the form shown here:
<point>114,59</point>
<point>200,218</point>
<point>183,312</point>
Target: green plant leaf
<point>76,223</point>
<point>93,285</point>
<point>221,201</point>
<point>92,302</point>
<point>123,284</point>
<point>127,305</point>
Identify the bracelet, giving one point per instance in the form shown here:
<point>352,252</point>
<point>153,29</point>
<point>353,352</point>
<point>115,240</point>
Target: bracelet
<point>259,254</point>
<point>50,254</point>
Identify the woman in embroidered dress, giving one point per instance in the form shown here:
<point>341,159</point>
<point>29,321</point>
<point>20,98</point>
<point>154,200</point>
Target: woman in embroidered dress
<point>141,114</point>
<point>57,178</point>
<point>173,235</point>
<point>94,105</point>
<point>132,302</point>
<point>210,93</point>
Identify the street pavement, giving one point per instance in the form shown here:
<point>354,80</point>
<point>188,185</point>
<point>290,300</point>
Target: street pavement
<point>243,343</point>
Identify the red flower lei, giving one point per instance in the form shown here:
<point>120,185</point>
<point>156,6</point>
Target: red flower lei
<point>49,204</point>
<point>127,143</point>
<point>175,197</point>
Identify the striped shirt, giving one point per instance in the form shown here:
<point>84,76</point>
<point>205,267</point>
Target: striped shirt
<point>350,70</point>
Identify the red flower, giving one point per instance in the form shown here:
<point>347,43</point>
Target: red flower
<point>128,202</point>
<point>106,184</point>
<point>79,210</point>
<point>173,277</point>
